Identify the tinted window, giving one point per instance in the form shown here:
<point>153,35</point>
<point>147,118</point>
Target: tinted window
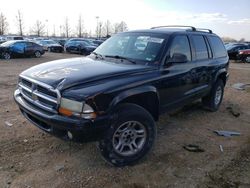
<point>200,47</point>
<point>180,45</point>
<point>217,47</point>
<point>29,44</point>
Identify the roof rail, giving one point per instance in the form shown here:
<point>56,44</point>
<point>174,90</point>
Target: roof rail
<point>202,29</point>
<point>192,28</point>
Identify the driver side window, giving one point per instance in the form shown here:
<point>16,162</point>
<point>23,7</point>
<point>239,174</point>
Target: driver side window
<point>180,47</point>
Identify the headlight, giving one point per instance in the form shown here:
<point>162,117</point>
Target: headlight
<point>71,105</point>
<point>80,109</point>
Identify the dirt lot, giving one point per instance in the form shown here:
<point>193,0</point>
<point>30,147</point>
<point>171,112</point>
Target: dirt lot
<point>31,158</point>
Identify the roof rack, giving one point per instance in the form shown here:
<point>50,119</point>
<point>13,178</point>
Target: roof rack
<point>202,29</point>
<point>192,28</point>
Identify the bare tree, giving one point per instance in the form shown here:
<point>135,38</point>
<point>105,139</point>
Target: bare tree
<point>242,40</point>
<point>100,29</point>
<point>120,27</point>
<point>66,27</point>
<point>20,23</point>
<point>80,27</point>
<point>38,28</point>
<point>107,28</point>
<point>3,24</point>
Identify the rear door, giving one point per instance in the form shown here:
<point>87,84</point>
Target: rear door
<point>29,48</point>
<point>203,64</point>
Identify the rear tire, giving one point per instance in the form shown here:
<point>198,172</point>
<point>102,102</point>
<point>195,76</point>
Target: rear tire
<point>130,137</point>
<point>37,54</point>
<point>213,100</point>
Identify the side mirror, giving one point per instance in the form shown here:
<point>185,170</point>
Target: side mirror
<point>178,58</point>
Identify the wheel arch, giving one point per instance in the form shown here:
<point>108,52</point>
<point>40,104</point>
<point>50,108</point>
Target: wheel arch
<point>223,75</point>
<point>145,96</point>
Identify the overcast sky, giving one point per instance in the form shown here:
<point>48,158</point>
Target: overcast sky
<point>228,18</point>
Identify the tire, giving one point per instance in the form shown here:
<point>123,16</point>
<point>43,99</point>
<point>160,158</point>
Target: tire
<point>130,137</point>
<point>246,59</point>
<point>6,55</point>
<point>213,100</point>
<point>37,54</point>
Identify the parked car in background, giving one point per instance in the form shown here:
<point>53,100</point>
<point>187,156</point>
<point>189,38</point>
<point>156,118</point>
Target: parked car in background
<point>60,41</point>
<point>14,38</point>
<point>244,55</point>
<point>20,48</point>
<point>51,46</point>
<point>89,41</point>
<point>97,42</point>
<point>81,47</point>
<point>2,39</point>
<point>233,50</point>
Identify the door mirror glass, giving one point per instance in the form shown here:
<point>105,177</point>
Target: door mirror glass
<point>178,58</point>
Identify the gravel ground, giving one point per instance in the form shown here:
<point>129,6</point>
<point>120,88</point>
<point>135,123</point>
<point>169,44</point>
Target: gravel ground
<point>32,158</point>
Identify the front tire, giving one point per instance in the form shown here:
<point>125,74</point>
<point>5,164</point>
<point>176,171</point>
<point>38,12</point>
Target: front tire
<point>6,55</point>
<point>213,100</point>
<point>130,137</point>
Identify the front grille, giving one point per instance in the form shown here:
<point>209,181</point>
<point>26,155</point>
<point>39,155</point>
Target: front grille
<point>39,94</point>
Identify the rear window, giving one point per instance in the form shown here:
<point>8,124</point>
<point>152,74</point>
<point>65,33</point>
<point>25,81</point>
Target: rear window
<point>217,47</point>
<point>200,47</point>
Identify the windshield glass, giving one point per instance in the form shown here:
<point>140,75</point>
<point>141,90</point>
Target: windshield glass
<point>8,43</point>
<point>136,46</point>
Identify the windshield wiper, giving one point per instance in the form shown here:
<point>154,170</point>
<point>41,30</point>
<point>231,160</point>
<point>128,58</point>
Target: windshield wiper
<point>120,57</point>
<point>98,55</point>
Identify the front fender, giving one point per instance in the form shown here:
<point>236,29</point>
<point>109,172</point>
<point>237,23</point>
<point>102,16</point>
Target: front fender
<point>133,92</point>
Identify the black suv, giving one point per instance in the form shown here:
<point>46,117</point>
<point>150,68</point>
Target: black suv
<point>116,94</point>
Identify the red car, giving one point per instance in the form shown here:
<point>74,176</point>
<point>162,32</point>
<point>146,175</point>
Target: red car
<point>244,55</point>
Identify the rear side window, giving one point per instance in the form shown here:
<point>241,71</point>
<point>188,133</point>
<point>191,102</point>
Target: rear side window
<point>217,47</point>
<point>180,45</point>
<point>200,47</point>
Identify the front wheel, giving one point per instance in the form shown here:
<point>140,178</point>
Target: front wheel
<point>6,55</point>
<point>213,100</point>
<point>130,137</point>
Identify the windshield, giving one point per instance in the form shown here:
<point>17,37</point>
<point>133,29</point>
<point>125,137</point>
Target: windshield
<point>135,46</point>
<point>8,43</point>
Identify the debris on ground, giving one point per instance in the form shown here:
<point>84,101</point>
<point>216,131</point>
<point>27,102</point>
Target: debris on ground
<point>241,86</point>
<point>25,140</point>
<point>193,148</point>
<point>8,124</point>
<point>59,167</point>
<point>221,148</point>
<point>234,110</point>
<point>227,133</point>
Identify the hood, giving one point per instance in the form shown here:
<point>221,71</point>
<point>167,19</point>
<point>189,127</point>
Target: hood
<point>65,73</point>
